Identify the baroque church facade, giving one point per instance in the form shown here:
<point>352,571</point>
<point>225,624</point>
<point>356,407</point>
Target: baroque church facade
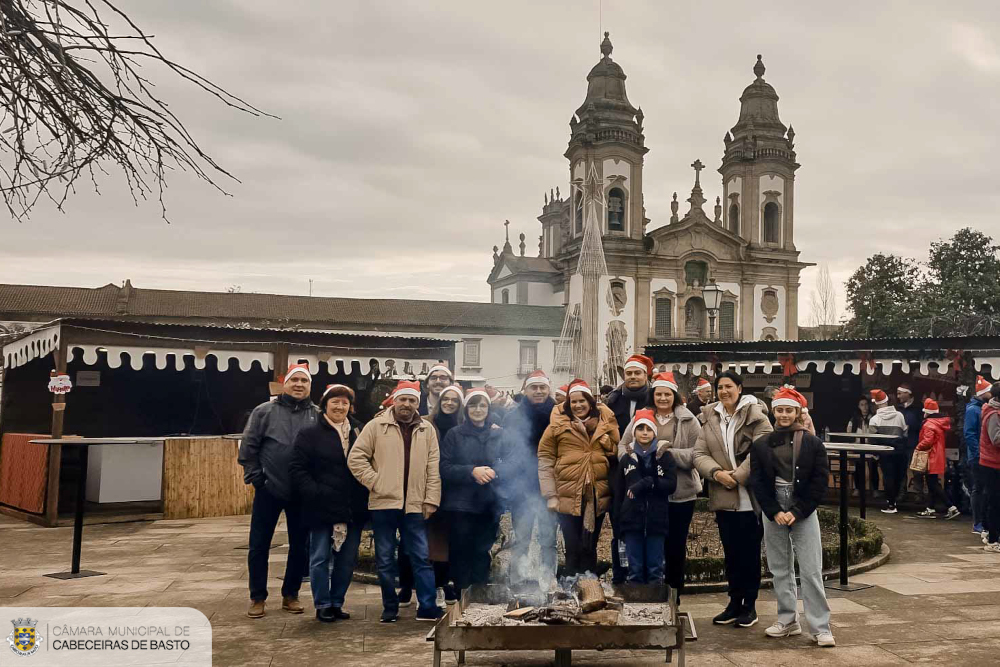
<point>744,243</point>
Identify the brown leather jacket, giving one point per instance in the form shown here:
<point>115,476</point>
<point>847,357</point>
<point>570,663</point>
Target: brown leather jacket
<point>567,461</point>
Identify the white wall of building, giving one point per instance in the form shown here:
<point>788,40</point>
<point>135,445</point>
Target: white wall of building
<point>759,321</point>
<point>541,294</point>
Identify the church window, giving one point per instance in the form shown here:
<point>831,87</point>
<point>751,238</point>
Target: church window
<point>616,210</point>
<point>734,219</point>
<point>727,321</point>
<point>772,223</point>
<point>505,296</point>
<point>578,213</point>
<point>664,317</point>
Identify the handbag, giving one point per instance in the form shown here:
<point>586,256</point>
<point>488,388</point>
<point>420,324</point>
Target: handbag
<point>919,461</point>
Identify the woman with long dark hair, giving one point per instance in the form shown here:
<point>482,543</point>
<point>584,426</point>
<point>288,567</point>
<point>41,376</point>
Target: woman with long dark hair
<point>722,456</point>
<point>573,469</point>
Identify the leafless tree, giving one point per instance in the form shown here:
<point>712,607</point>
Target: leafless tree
<point>75,102</point>
<point>823,304</point>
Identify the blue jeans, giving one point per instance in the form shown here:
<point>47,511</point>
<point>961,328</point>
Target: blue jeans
<point>977,495</point>
<point>645,557</point>
<point>385,523</point>
<point>329,586</point>
<point>802,542</point>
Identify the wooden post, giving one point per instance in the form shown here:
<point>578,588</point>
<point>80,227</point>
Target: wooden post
<point>55,451</point>
<point>280,367</point>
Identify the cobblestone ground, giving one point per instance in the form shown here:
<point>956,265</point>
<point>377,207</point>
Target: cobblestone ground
<point>937,601</point>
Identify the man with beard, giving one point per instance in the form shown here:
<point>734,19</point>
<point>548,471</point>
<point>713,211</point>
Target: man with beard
<point>438,377</point>
<point>632,395</point>
<point>517,473</point>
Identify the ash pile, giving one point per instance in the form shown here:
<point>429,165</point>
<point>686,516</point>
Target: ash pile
<point>582,600</point>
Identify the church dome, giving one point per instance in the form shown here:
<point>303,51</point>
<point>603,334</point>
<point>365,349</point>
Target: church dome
<point>606,113</point>
<point>759,107</point>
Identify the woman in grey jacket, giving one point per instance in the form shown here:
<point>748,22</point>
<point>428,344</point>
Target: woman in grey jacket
<point>678,430</point>
<point>722,456</point>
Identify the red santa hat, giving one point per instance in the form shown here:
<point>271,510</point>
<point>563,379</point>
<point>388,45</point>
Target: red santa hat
<point>931,406</point>
<point>644,417</point>
<point>703,384</point>
<point>562,390</point>
<point>579,385</point>
<point>477,391</point>
<point>879,397</point>
<point>387,402</point>
<point>537,377</point>
<point>665,380</point>
<point>455,388</point>
<point>407,388</point>
<point>639,361</point>
<point>331,387</point>
<point>441,366</point>
<point>788,398</point>
<point>293,369</point>
<point>982,386</point>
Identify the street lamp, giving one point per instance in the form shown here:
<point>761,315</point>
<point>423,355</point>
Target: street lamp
<point>712,294</point>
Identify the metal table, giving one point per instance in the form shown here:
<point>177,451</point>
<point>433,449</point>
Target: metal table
<point>843,448</point>
<point>81,492</point>
<point>872,438</point>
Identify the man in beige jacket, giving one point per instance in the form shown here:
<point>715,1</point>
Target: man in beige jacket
<point>396,458</point>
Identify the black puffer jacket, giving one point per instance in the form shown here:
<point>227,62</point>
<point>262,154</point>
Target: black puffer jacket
<point>651,485</point>
<point>467,447</point>
<point>620,402</point>
<point>328,492</point>
<point>811,469</point>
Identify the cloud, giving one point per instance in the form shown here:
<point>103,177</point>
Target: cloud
<point>410,131</point>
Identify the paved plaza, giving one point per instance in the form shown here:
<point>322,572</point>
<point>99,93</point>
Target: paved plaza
<point>937,601</point>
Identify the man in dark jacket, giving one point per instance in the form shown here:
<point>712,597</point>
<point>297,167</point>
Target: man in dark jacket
<point>265,454</point>
<point>702,396</point>
<point>632,395</point>
<point>971,434</point>
<point>913,414</point>
<point>517,474</point>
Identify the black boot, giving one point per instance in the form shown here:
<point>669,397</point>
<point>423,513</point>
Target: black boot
<point>326,615</point>
<point>340,614</point>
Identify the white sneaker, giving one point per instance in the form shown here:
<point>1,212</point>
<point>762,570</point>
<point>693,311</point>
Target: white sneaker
<point>985,537</point>
<point>927,514</point>
<point>952,513</point>
<point>440,597</point>
<point>891,509</point>
<point>779,629</point>
<point>825,639</point>
<point>993,548</point>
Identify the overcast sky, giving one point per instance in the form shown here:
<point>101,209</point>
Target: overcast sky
<point>410,130</point>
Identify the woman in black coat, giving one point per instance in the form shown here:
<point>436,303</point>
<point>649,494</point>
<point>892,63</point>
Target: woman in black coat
<point>468,457</point>
<point>334,504</point>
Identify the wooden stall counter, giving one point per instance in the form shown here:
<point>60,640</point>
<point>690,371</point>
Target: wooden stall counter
<point>201,478</point>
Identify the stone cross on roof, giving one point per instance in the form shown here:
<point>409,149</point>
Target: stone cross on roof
<point>698,166</point>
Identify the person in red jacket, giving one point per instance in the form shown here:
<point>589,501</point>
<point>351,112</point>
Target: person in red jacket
<point>989,469</point>
<point>932,438</point>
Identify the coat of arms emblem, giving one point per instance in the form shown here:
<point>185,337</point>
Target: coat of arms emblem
<point>24,639</point>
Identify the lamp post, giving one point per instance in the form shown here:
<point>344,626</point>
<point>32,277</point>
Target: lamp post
<point>712,294</point>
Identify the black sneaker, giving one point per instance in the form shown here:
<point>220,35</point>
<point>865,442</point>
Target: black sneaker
<point>433,614</point>
<point>747,619</point>
<point>326,615</point>
<point>727,617</point>
<point>405,597</point>
<point>450,594</point>
<point>388,617</point>
<point>340,614</point>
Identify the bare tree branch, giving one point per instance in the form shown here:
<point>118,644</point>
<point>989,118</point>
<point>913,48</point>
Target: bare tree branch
<point>823,304</point>
<point>74,103</point>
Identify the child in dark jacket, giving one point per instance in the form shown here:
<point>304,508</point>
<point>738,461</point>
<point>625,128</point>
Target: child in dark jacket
<point>649,476</point>
<point>789,472</point>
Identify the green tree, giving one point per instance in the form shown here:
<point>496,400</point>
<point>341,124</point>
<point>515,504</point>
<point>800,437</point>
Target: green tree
<point>963,293</point>
<point>883,296</point>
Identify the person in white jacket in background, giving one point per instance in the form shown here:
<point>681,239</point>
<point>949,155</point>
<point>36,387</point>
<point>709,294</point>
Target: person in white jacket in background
<point>889,421</point>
